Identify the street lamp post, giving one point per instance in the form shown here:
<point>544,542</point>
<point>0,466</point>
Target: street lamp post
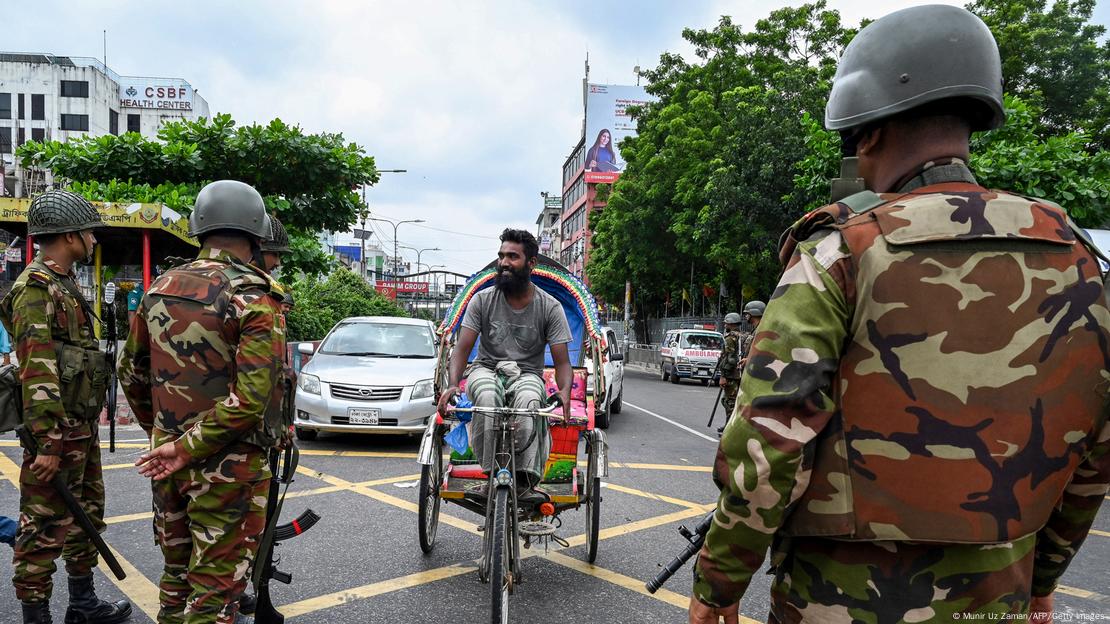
<point>418,252</point>
<point>365,212</point>
<point>395,225</point>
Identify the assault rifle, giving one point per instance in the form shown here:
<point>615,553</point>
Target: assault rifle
<point>112,336</point>
<point>695,539</point>
<point>59,485</point>
<point>265,568</point>
<point>720,390</point>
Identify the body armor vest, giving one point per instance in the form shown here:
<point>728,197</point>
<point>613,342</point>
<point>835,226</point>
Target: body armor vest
<point>194,341</point>
<point>974,372</point>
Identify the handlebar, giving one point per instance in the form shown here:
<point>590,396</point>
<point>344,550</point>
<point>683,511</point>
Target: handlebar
<point>510,411</point>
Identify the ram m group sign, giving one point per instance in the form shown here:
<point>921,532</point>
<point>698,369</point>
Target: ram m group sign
<point>157,93</point>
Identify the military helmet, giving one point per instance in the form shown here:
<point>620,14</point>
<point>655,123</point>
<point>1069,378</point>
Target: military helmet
<point>58,212</point>
<point>755,308</point>
<point>732,318</point>
<point>229,205</point>
<point>278,240</point>
<point>914,57</point>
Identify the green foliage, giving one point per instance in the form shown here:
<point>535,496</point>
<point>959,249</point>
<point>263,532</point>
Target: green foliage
<point>306,179</point>
<point>1052,57</point>
<point>1022,157</point>
<point>707,174</point>
<point>320,304</point>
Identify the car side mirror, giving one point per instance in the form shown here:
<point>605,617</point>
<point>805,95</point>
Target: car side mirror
<point>616,357</point>
<point>305,348</point>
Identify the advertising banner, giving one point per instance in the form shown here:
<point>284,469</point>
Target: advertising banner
<point>142,216</point>
<point>403,287</point>
<point>607,123</point>
<point>160,93</point>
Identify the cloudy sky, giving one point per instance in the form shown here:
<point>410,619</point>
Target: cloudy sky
<point>480,101</point>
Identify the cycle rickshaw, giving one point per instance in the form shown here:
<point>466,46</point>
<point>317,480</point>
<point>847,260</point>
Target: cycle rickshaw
<point>567,483</point>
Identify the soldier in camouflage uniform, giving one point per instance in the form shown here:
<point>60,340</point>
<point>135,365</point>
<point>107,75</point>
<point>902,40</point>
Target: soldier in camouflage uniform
<point>200,370</point>
<point>920,432</point>
<point>65,380</point>
<point>729,365</point>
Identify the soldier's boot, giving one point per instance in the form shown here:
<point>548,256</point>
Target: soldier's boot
<point>37,613</point>
<point>86,608</point>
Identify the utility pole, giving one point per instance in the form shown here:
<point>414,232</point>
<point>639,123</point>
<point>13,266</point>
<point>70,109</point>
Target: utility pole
<point>627,312</point>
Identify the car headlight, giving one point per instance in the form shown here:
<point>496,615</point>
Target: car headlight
<point>308,383</point>
<point>423,389</point>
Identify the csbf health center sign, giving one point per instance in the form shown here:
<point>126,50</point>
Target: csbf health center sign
<point>157,93</point>
<point>607,123</point>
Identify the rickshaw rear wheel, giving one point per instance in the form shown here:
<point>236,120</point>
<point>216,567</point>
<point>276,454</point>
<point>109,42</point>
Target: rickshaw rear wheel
<point>431,476</point>
<point>593,502</point>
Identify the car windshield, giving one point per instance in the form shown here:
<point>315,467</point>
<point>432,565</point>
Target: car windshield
<point>711,342</point>
<point>380,340</point>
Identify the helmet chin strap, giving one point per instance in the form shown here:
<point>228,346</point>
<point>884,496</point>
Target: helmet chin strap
<point>256,255</point>
<point>88,258</point>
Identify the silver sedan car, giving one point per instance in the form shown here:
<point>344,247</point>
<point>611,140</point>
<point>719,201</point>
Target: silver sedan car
<point>371,374</point>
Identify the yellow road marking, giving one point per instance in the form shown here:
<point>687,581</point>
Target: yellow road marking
<point>649,495</point>
<point>144,515</point>
<point>627,582</point>
<point>133,445</point>
<point>1100,533</point>
<point>373,589</point>
<point>326,453</point>
<point>637,466</point>
<point>9,470</point>
<point>386,498</point>
<point>138,588</point>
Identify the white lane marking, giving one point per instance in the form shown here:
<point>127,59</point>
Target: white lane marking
<point>679,425</point>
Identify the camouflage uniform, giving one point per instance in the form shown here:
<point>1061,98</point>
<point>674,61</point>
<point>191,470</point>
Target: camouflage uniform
<point>730,370</point>
<point>45,317</point>
<point>201,366</point>
<point>920,429</point>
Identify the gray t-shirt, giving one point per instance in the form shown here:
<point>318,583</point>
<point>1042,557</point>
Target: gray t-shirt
<point>516,335</point>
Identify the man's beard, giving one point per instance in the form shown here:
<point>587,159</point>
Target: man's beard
<point>512,282</point>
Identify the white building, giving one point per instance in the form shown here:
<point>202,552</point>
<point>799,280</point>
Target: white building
<point>47,97</point>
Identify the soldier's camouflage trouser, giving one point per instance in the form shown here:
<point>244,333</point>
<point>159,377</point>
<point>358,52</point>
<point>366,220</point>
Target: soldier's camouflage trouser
<point>728,396</point>
<point>509,386</point>
<point>47,529</point>
<point>209,534</point>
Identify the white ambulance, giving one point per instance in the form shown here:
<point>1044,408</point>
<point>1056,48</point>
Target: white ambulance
<point>690,354</point>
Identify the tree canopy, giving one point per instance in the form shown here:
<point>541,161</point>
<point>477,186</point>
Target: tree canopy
<point>734,151</point>
<point>307,180</point>
<point>319,305</point>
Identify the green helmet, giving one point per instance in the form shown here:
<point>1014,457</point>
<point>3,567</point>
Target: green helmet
<point>732,318</point>
<point>913,57</point>
<point>278,240</point>
<point>229,205</point>
<point>58,212</point>
<point>755,308</point>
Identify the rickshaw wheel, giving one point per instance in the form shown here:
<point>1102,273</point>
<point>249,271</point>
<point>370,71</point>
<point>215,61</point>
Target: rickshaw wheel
<point>593,504</point>
<point>431,476</point>
<point>500,576</point>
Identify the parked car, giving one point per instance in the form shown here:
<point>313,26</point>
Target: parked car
<point>371,374</point>
<point>612,363</point>
<point>690,354</point>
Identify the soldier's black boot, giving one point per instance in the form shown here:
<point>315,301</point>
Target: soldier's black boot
<point>86,608</point>
<point>247,603</point>
<point>36,613</point>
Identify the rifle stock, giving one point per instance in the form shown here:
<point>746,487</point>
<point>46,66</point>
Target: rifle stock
<point>83,520</point>
<point>112,336</point>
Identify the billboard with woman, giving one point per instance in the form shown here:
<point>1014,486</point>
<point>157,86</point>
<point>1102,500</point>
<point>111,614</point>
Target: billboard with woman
<point>607,122</point>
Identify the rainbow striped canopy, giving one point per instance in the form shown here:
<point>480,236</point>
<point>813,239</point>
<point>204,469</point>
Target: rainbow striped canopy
<point>554,279</point>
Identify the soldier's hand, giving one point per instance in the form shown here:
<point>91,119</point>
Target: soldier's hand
<point>1040,609</point>
<point>701,613</point>
<point>722,382</point>
<point>45,467</point>
<point>163,461</point>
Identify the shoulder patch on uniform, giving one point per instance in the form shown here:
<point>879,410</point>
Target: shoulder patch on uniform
<point>38,277</point>
<point>862,201</point>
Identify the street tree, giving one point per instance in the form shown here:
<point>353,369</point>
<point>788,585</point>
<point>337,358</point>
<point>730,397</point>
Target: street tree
<point>307,180</point>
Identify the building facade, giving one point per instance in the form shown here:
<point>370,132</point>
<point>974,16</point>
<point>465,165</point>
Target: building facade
<point>579,200</point>
<point>549,227</point>
<point>44,97</point>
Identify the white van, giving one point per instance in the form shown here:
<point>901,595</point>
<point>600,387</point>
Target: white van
<point>690,354</point>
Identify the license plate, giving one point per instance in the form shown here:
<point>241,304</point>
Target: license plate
<point>363,415</point>
<point>703,373</point>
